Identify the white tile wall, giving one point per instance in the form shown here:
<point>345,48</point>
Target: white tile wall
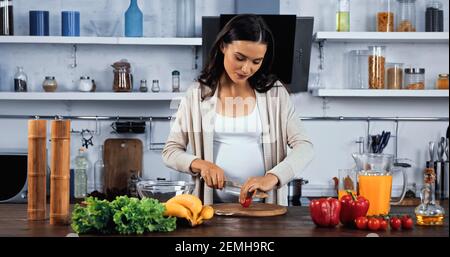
<point>334,141</point>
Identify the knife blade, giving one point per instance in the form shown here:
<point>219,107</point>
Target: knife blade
<point>235,189</point>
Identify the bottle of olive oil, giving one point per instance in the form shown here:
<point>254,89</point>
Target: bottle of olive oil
<point>343,16</point>
<point>429,213</point>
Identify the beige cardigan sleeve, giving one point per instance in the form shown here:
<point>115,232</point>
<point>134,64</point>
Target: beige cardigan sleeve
<point>174,152</point>
<point>302,148</point>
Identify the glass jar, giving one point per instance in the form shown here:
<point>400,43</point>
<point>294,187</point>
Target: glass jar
<point>155,86</point>
<point>442,81</point>
<point>406,18</point>
<point>414,79</point>
<point>358,69</point>
<point>175,81</point>
<point>343,16</point>
<point>394,74</point>
<point>385,16</point>
<point>143,87</point>
<point>123,79</point>
<point>377,61</point>
<point>20,80</point>
<point>434,17</point>
<point>6,18</point>
<point>50,84</point>
<point>85,84</point>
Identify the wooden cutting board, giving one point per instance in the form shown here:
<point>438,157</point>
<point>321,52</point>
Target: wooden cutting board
<point>121,158</point>
<point>254,210</point>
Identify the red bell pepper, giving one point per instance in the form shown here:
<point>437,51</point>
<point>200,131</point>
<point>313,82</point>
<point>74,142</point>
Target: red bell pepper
<point>352,207</point>
<point>325,211</point>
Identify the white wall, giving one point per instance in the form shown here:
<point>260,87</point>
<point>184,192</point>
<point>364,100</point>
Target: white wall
<point>334,141</point>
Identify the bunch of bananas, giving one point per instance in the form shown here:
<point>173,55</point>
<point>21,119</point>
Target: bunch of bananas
<point>189,207</point>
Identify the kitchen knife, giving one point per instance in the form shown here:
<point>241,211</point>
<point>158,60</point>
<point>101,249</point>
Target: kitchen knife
<point>234,188</point>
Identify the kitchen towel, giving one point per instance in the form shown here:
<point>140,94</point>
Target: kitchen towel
<point>39,23</point>
<point>70,23</point>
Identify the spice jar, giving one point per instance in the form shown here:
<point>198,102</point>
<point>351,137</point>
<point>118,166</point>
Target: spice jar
<point>442,81</point>
<point>377,62</point>
<point>394,75</point>
<point>20,80</point>
<point>175,81</point>
<point>406,18</point>
<point>385,16</point>
<point>414,79</point>
<point>50,84</point>
<point>155,86</point>
<point>143,87</point>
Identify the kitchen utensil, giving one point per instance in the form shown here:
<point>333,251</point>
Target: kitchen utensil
<point>163,190</point>
<point>447,141</point>
<point>441,149</point>
<point>37,167</point>
<point>235,189</point>
<point>254,210</point>
<point>375,172</point>
<point>122,158</point>
<point>295,191</point>
<point>383,141</point>
<point>431,152</point>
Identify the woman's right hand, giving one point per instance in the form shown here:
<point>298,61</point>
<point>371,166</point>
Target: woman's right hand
<point>212,174</point>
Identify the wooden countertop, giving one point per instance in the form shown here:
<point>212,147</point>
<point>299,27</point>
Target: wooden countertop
<point>296,223</point>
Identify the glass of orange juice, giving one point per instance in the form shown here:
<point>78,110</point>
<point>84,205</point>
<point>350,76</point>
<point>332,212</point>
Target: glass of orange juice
<point>347,182</point>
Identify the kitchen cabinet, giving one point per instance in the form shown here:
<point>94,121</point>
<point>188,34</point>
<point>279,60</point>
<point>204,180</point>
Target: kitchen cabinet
<point>295,223</point>
<point>323,37</point>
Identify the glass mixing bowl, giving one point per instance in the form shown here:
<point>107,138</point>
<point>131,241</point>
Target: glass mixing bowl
<point>163,190</point>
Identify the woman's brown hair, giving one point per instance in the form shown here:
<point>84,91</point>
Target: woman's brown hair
<point>245,27</point>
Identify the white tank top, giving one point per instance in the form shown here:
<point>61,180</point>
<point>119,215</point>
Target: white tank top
<point>238,149</point>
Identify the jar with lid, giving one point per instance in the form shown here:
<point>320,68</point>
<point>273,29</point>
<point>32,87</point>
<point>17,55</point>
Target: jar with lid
<point>385,16</point>
<point>20,80</point>
<point>50,84</point>
<point>123,79</point>
<point>155,86</point>
<point>442,81</point>
<point>414,78</point>
<point>406,17</point>
<point>343,16</point>
<point>377,61</point>
<point>394,74</point>
<point>175,81</point>
<point>434,17</point>
<point>85,84</point>
<point>143,87</point>
<point>358,69</point>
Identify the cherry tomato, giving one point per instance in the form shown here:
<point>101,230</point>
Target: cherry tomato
<point>407,222</point>
<point>383,224</point>
<point>373,224</point>
<point>396,223</point>
<point>247,202</point>
<point>361,222</point>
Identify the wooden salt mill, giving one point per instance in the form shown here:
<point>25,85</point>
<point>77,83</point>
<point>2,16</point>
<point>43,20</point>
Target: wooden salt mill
<point>37,169</point>
<point>60,173</point>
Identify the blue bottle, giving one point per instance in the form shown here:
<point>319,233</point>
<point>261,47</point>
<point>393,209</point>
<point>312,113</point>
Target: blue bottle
<point>133,20</point>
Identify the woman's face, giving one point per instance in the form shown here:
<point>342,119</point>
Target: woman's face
<point>242,59</point>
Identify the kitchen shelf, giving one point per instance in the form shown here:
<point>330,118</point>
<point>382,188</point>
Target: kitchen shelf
<point>100,40</point>
<point>97,96</point>
<point>382,37</point>
<point>380,93</point>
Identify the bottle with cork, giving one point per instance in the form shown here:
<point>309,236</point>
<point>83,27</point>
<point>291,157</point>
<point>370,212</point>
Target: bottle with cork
<point>429,213</point>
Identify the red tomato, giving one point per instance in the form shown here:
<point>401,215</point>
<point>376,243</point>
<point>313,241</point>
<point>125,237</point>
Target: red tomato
<point>407,222</point>
<point>361,222</point>
<point>383,224</point>
<point>373,224</point>
<point>247,202</point>
<point>396,223</point>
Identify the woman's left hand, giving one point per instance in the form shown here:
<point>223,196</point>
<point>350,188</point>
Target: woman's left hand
<point>263,183</point>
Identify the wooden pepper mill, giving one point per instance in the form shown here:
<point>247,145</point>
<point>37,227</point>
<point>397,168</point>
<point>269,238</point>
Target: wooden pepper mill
<point>60,173</point>
<point>37,169</point>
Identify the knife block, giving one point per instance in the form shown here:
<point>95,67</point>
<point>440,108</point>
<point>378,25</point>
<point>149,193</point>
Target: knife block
<point>60,173</point>
<point>37,169</point>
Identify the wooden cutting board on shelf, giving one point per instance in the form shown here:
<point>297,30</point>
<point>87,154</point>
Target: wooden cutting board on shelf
<point>254,210</point>
<point>122,157</point>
